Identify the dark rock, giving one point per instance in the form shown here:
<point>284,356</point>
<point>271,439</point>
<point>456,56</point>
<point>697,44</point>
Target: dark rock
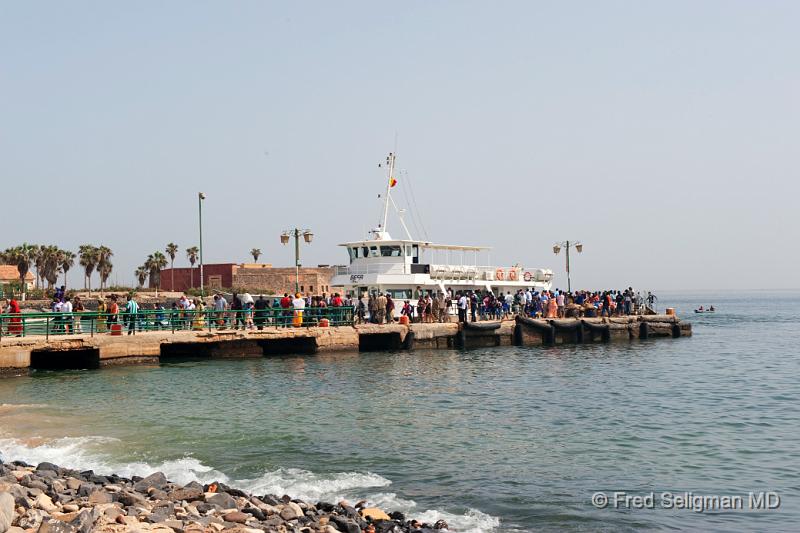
<point>98,480</point>
<point>33,483</point>
<point>20,463</point>
<point>193,485</point>
<point>271,499</point>
<point>387,526</point>
<point>157,480</point>
<point>203,507</point>
<point>273,521</point>
<point>44,465</point>
<point>304,520</point>
<point>256,512</point>
<point>286,498</point>
<point>351,511</point>
<point>56,526</point>
<point>84,522</point>
<point>287,513</point>
<point>46,474</point>
<point>343,524</point>
<point>440,524</point>
<point>86,489</point>
<point>397,515</point>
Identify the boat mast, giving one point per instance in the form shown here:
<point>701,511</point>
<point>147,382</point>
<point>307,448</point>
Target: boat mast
<point>390,162</point>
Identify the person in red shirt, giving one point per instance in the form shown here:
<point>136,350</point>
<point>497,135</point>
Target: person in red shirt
<point>286,304</point>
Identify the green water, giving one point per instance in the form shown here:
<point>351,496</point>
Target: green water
<point>494,438</point>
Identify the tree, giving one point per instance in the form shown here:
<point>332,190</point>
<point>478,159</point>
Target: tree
<point>21,256</point>
<point>154,264</point>
<point>104,265</point>
<point>89,257</point>
<point>141,275</point>
<point>51,266</point>
<point>39,263</point>
<point>66,260</point>
<point>192,255</point>
<point>256,253</point>
<point>172,251</point>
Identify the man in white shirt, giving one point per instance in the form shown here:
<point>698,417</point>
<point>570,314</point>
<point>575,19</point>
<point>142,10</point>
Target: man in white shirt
<point>462,308</point>
<point>66,307</point>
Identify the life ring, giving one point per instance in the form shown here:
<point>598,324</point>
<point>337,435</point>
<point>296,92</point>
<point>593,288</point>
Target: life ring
<point>512,275</point>
<point>499,274</point>
<point>527,276</point>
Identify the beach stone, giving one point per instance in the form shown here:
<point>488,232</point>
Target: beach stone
<point>287,513</point>
<point>130,498</point>
<point>329,529</point>
<point>44,503</point>
<point>32,519</point>
<point>296,508</point>
<point>236,516</point>
<point>100,496</point>
<point>6,511</point>
<point>222,499</point>
<point>189,494</point>
<point>32,483</point>
<point>84,522</point>
<point>56,526</point>
<point>255,512</point>
<point>73,484</point>
<point>70,507</point>
<point>373,513</point>
<point>156,479</point>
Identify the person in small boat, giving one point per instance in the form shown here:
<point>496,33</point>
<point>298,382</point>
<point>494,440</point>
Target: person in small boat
<point>701,309</point>
<point>711,309</point>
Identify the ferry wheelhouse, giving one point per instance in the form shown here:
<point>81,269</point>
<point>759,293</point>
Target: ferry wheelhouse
<point>406,267</point>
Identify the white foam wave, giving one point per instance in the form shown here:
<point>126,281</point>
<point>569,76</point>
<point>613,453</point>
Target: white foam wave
<point>86,453</point>
<point>307,485</point>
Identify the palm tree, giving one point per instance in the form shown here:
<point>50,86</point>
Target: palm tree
<point>154,264</point>
<point>39,262</point>
<point>89,257</point>
<point>21,256</point>
<point>52,264</point>
<point>67,260</point>
<point>104,265</point>
<point>141,275</point>
<point>192,254</point>
<point>256,253</point>
<point>172,251</point>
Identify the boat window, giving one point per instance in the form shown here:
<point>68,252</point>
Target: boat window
<point>364,251</point>
<point>400,294</point>
<point>415,254</point>
<point>390,251</point>
<point>353,252</point>
<point>373,251</point>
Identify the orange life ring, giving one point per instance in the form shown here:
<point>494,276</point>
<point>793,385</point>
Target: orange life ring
<point>512,275</point>
<point>499,274</point>
<point>527,276</point>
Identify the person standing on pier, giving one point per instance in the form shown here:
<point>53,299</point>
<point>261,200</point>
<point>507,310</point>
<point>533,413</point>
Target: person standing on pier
<point>131,309</point>
<point>462,307</point>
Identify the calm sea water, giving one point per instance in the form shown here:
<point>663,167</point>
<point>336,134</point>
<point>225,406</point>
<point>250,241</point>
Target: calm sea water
<point>489,439</point>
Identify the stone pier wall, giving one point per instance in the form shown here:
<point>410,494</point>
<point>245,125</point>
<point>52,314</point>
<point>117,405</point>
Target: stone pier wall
<point>18,355</point>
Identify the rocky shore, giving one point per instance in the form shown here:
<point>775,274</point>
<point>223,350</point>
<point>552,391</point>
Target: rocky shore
<point>50,499</point>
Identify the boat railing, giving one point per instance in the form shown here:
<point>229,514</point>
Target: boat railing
<point>373,268</point>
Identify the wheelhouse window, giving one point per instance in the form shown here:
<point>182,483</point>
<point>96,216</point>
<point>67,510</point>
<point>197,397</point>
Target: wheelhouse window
<point>391,251</point>
<point>373,251</point>
<point>353,253</point>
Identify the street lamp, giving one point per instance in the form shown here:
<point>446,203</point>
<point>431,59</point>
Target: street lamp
<point>567,245</point>
<point>200,197</point>
<point>296,233</point>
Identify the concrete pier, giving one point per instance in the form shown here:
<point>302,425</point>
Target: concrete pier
<point>20,355</point>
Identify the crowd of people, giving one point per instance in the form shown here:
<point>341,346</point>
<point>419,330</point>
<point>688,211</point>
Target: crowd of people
<point>69,315</point>
<point>438,306</point>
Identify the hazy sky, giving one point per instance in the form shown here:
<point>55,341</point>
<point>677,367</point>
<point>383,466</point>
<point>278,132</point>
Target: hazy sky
<point>665,136</point>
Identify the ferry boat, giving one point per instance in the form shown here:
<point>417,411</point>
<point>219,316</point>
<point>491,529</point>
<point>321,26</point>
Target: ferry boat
<point>405,268</point>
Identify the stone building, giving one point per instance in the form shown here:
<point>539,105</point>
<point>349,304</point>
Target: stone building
<point>252,277</point>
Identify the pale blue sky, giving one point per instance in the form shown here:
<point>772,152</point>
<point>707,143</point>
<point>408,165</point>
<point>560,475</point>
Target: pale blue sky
<point>663,135</point>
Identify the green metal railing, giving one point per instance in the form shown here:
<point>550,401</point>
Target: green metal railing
<point>94,323</point>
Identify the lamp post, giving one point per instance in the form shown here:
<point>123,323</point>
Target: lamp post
<point>296,233</point>
<point>567,245</point>
<point>200,197</point>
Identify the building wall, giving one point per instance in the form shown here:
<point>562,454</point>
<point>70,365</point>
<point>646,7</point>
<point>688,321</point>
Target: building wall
<point>214,276</point>
<point>280,280</point>
<point>253,278</point>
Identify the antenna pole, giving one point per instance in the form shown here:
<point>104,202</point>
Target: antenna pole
<point>390,161</point>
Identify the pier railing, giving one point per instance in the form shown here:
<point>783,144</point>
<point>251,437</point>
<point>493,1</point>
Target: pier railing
<point>96,323</point>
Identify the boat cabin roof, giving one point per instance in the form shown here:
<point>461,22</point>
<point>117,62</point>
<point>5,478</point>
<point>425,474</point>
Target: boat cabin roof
<point>421,244</point>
